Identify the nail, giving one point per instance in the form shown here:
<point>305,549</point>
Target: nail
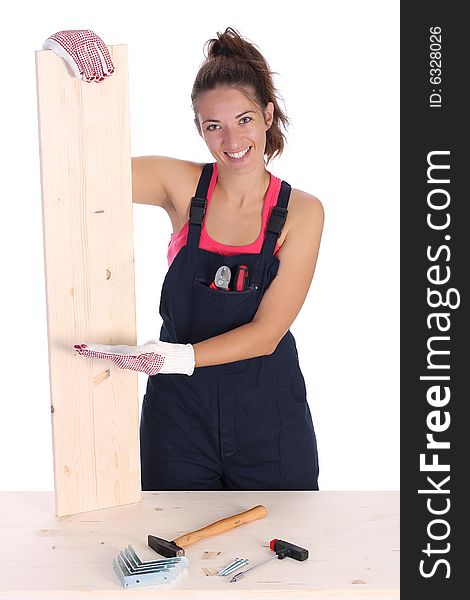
<point>229,566</point>
<point>233,566</point>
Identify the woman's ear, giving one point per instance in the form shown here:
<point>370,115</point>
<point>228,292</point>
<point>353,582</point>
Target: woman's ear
<point>269,115</point>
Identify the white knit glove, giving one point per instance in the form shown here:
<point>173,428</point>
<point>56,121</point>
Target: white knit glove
<point>151,358</point>
<point>84,51</point>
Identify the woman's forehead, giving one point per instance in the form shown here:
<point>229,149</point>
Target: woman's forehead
<point>228,101</point>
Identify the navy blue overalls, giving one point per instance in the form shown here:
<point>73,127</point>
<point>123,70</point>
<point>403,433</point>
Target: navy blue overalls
<point>244,425</point>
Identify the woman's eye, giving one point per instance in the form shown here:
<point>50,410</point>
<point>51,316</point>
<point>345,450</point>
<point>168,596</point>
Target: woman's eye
<point>215,126</point>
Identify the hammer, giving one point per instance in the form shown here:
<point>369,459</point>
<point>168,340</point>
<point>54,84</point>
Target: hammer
<point>175,548</point>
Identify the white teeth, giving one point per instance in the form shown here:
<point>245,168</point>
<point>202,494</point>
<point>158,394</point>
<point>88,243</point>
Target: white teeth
<point>239,154</point>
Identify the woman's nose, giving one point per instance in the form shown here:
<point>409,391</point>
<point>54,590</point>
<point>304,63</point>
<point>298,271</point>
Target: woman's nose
<point>231,140</point>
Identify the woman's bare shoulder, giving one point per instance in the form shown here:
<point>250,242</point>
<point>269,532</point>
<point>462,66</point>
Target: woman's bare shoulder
<point>305,211</point>
<point>178,167</point>
<point>301,201</point>
<point>164,181</point>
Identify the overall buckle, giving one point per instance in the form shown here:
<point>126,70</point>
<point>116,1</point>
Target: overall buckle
<point>277,220</point>
<point>197,210</point>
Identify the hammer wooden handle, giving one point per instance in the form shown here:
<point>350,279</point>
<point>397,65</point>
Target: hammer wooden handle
<point>257,512</point>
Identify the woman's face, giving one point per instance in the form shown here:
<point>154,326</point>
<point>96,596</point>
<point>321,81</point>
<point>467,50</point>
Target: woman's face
<point>234,127</point>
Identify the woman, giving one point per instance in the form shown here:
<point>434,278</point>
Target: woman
<point>225,405</point>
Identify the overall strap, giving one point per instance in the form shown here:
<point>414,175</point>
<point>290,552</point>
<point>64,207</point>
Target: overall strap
<point>197,210</point>
<point>277,220</point>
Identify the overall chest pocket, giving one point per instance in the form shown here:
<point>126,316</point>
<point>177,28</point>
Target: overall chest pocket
<point>215,311</point>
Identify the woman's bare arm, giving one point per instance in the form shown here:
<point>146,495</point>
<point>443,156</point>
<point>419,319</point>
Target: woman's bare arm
<point>283,299</point>
<point>164,181</point>
<point>148,175</point>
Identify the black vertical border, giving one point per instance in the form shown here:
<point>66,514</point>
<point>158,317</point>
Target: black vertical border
<point>423,130</point>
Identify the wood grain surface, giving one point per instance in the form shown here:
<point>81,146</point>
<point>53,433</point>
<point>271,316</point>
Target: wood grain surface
<point>352,538</point>
<point>84,147</point>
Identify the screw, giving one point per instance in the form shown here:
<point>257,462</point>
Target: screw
<point>238,562</point>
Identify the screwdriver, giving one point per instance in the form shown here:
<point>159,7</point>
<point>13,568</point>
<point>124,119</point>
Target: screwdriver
<point>242,574</point>
<point>282,550</point>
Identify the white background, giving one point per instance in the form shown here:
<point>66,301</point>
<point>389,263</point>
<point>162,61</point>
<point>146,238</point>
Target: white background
<point>338,67</point>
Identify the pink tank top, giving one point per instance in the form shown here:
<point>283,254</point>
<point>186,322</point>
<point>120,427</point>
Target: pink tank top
<point>178,240</point>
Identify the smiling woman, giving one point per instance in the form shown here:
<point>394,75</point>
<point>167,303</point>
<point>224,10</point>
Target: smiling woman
<point>234,137</point>
<point>234,64</point>
<point>225,405</point>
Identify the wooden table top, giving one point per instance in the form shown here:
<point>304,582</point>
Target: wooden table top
<point>352,538</point>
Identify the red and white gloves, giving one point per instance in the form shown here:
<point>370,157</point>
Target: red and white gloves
<point>84,51</point>
<point>151,358</point>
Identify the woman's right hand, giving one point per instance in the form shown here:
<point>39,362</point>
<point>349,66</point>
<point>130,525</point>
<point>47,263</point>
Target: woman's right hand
<point>84,51</point>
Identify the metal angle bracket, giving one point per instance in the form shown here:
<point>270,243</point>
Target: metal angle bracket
<point>133,572</point>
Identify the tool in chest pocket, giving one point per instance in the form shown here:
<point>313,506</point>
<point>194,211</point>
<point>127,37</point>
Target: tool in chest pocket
<point>241,279</point>
<point>223,277</point>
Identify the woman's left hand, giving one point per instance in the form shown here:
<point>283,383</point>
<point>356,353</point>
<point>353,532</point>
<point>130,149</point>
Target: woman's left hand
<point>84,51</point>
<point>151,358</point>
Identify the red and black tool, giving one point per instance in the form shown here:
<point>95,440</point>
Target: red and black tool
<point>240,279</point>
<point>222,279</point>
<point>282,550</point>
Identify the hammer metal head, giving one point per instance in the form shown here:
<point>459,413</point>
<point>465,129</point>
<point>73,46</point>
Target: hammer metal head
<point>164,547</point>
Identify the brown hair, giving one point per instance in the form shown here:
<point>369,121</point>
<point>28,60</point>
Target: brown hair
<point>232,61</point>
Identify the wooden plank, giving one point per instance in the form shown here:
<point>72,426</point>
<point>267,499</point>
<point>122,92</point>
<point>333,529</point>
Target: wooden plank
<point>84,143</point>
<point>352,537</point>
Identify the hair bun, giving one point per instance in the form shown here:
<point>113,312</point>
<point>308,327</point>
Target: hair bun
<point>224,51</point>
